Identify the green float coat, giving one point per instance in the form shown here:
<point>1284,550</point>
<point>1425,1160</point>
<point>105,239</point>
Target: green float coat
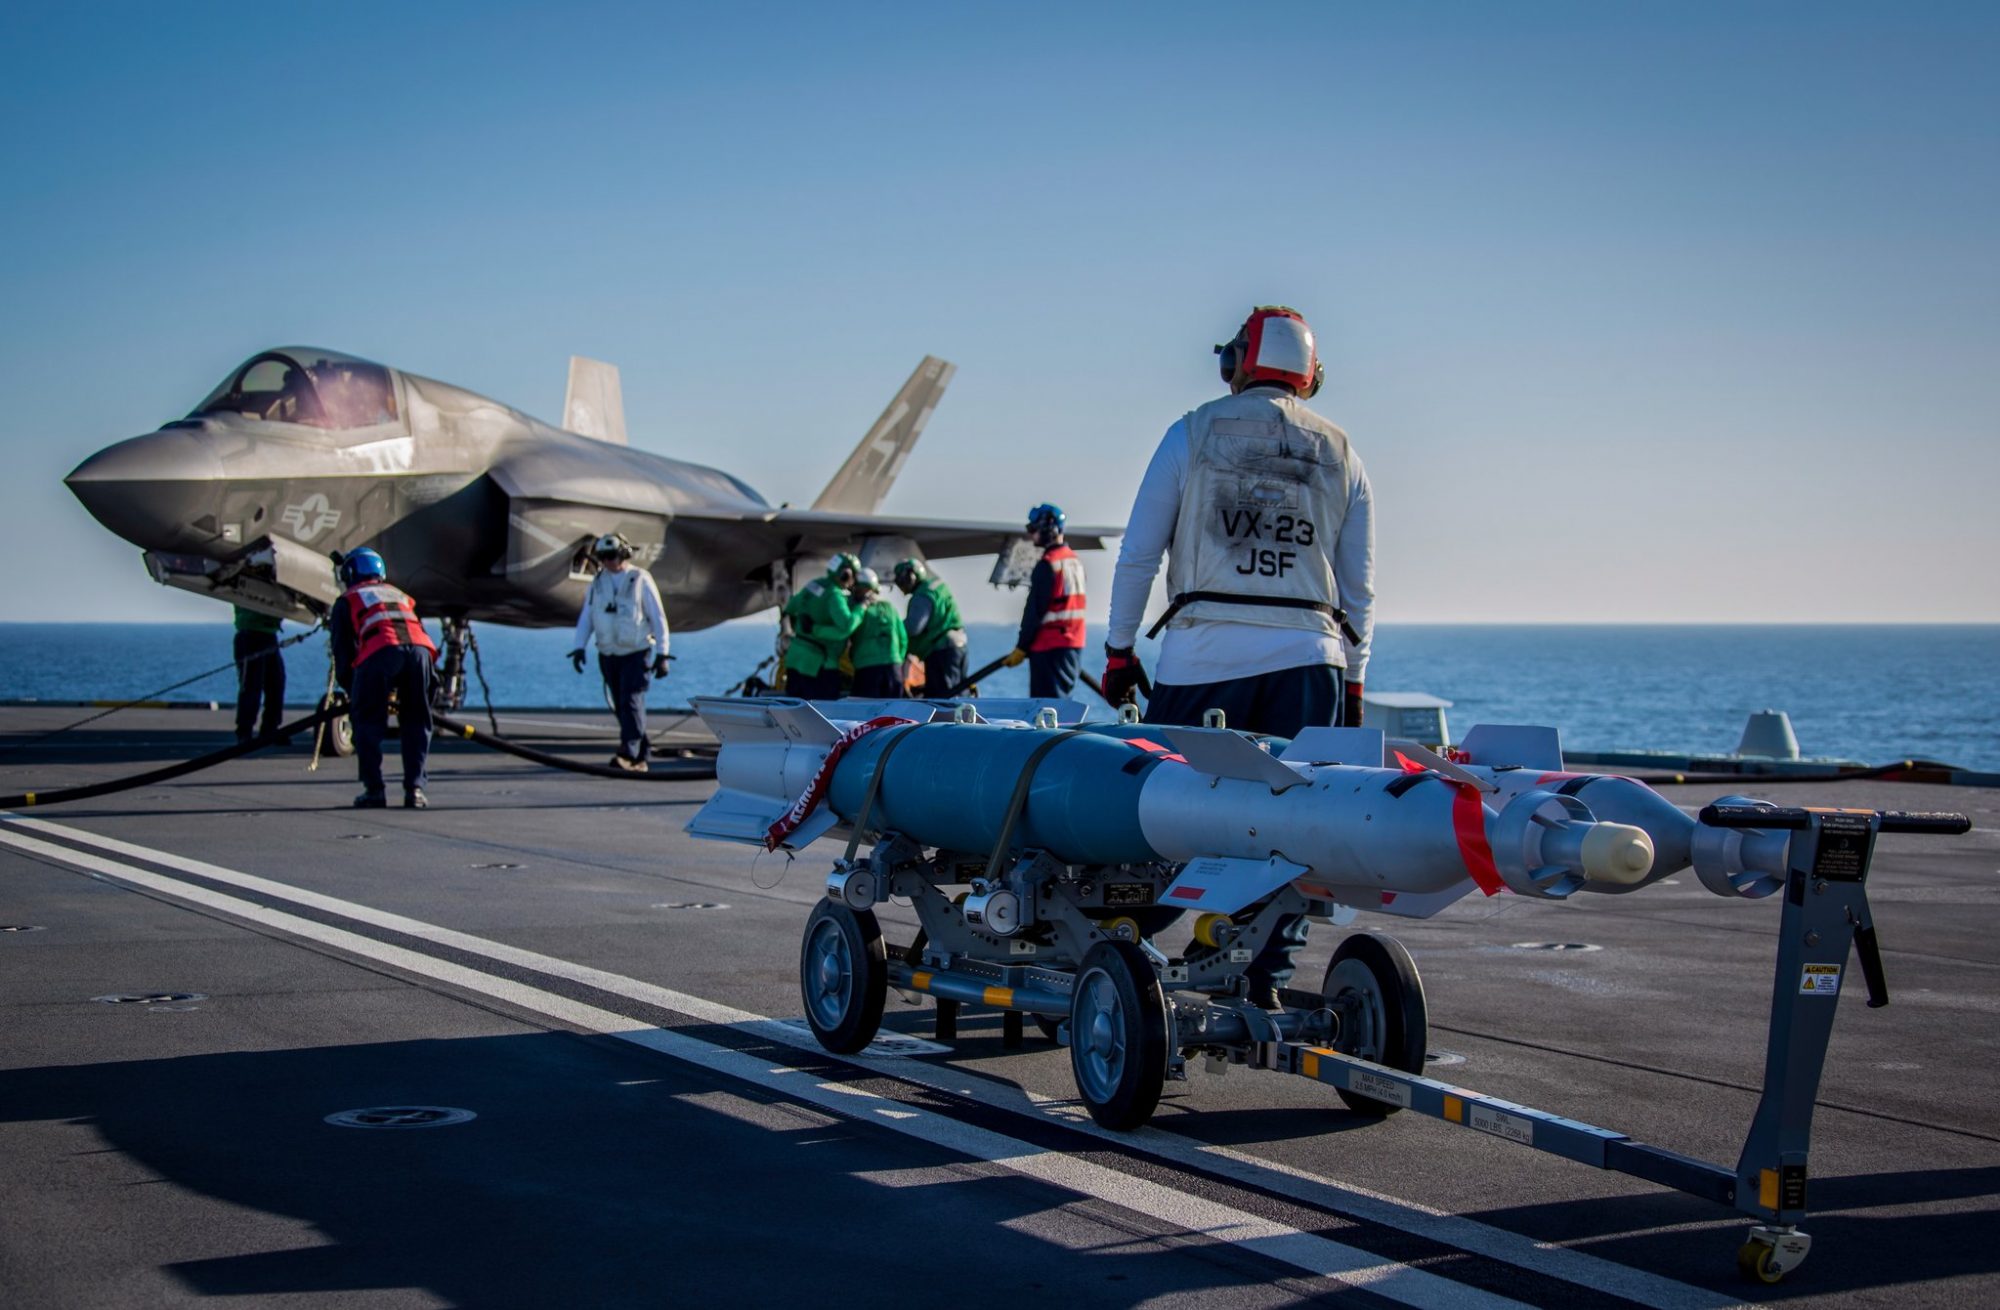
<point>879,639</point>
<point>823,618</point>
<point>944,617</point>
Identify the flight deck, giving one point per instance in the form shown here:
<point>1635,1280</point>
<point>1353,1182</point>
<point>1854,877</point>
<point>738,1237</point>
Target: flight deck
<point>536,1045</point>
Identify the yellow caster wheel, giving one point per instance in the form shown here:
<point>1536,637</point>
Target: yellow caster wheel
<point>1772,1252</point>
<point>1210,929</point>
<point>1753,1261</point>
<point>1121,928</point>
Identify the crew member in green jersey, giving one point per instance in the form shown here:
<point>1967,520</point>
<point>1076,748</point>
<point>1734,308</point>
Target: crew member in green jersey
<point>879,644</point>
<point>937,637</point>
<point>823,616</point>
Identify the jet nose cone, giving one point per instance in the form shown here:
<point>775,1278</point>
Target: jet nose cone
<point>149,490</point>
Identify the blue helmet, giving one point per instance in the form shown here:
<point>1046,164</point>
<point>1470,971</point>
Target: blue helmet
<point>359,564</point>
<point>1046,512</point>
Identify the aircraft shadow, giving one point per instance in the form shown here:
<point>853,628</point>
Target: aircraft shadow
<point>593,1175</point>
<point>1856,1247</point>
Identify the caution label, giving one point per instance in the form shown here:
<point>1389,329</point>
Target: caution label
<point>1374,1085</point>
<point>1513,1127</point>
<point>1820,980</point>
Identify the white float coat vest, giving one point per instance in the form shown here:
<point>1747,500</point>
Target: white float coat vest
<point>618,612</point>
<point>1261,508</point>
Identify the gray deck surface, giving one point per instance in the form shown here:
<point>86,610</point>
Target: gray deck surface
<point>159,1155</point>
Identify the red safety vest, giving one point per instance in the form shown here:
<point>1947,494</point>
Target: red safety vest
<point>1062,624</point>
<point>383,617</point>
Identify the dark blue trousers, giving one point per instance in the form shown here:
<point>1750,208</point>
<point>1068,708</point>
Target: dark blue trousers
<point>260,680</point>
<point>1280,704</point>
<point>824,685</point>
<point>877,682</point>
<point>626,677</point>
<point>1053,672</point>
<point>405,670</point>
<point>944,668</point>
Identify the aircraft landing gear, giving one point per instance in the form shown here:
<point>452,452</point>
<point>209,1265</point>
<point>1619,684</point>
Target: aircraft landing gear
<point>448,691</point>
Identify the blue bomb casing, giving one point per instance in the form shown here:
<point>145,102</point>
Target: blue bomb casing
<point>952,783</point>
<point>1324,813</point>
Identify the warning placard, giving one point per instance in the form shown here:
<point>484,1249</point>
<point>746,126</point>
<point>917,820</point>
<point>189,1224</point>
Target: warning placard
<point>1363,1083</point>
<point>1513,1127</point>
<point>1820,980</point>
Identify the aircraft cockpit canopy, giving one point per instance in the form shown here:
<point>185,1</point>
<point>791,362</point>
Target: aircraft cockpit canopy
<point>317,388</point>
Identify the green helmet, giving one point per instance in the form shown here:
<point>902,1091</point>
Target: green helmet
<point>843,561</point>
<point>912,569</point>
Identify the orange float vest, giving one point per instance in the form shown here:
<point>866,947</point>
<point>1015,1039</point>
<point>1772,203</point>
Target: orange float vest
<point>1062,625</point>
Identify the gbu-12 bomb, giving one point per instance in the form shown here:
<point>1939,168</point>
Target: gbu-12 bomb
<point>1407,839</point>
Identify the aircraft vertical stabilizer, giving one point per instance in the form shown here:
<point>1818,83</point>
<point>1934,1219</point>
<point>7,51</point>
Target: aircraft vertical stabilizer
<point>862,482</point>
<point>594,405</point>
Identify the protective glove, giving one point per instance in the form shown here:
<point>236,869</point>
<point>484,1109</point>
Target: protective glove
<point>1351,708</point>
<point>1015,658</point>
<point>576,658</point>
<point>659,666</point>
<point>1121,674</point>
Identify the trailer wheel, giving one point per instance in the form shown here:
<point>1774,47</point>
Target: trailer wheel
<point>843,976</point>
<point>337,733</point>
<point>1373,984</point>
<point>1118,1035</point>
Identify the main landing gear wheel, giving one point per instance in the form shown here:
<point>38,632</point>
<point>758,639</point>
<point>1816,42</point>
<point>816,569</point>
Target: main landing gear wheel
<point>1372,984</point>
<point>337,733</point>
<point>1118,1035</point>
<point>843,976</point>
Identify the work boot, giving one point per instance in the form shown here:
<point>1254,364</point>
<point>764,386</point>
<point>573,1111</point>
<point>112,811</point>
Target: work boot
<point>413,799</point>
<point>629,765</point>
<point>371,800</point>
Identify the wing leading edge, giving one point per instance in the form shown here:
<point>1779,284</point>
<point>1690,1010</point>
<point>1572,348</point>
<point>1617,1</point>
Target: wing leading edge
<point>794,532</point>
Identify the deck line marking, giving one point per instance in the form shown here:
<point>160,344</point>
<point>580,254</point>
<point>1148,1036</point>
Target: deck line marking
<point>1469,1235</point>
<point>1314,1255</point>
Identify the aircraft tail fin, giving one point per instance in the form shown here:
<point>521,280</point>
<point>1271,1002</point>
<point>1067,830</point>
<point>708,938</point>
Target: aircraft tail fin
<point>862,482</point>
<point>594,405</point>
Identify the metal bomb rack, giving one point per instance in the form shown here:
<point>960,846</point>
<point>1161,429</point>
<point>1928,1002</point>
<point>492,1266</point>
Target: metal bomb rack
<point>1134,1017</point>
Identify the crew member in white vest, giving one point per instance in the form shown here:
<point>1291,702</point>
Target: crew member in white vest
<point>622,613</point>
<point>1266,519</point>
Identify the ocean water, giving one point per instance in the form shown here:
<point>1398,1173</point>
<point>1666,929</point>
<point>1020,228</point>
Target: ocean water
<point>1868,693</point>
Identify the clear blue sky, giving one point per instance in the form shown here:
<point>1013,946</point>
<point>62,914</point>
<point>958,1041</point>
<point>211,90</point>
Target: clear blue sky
<point>1635,311</point>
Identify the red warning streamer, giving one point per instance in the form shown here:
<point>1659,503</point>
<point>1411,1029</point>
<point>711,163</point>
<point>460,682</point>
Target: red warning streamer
<point>1468,825</point>
<point>815,792</point>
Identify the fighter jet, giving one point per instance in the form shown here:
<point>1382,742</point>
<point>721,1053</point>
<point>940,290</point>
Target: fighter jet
<point>484,512</point>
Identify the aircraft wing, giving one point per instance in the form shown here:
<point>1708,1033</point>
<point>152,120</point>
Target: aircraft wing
<point>814,531</point>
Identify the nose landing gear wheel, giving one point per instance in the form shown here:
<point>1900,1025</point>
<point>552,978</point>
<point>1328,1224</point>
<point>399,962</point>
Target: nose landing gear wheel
<point>1372,984</point>
<point>843,976</point>
<point>1118,1035</point>
<point>337,734</point>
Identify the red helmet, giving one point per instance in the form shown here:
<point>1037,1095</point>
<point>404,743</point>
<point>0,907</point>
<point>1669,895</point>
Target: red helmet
<point>1273,345</point>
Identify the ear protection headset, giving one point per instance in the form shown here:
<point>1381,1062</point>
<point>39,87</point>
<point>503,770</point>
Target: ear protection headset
<point>1240,361</point>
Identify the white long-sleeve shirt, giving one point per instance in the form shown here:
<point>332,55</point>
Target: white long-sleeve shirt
<point>650,608</point>
<point>1218,650</point>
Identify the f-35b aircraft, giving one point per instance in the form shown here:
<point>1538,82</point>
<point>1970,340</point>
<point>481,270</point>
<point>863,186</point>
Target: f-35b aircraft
<point>483,512</point>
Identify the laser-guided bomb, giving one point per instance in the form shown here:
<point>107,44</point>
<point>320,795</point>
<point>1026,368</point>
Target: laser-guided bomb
<point>1076,844</point>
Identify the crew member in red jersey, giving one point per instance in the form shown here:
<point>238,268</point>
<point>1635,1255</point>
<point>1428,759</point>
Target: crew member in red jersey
<point>1051,639</point>
<point>379,647</point>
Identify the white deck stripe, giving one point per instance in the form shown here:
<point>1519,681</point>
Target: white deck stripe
<point>1314,1255</point>
<point>1467,1235</point>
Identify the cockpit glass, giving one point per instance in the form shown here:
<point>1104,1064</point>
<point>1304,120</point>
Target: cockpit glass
<point>316,388</point>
